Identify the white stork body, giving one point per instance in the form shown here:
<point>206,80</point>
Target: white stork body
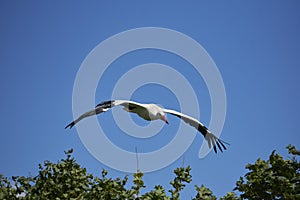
<point>151,112</point>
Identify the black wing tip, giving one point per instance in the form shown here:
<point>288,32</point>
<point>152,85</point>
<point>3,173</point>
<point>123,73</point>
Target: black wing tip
<point>70,125</point>
<point>106,104</point>
<point>215,149</point>
<point>221,145</point>
<point>216,143</point>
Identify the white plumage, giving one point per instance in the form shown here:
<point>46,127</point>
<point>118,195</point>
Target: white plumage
<point>151,112</point>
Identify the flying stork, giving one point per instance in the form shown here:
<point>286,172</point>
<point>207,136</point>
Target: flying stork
<point>151,112</point>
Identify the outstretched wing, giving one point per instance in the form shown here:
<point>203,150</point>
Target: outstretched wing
<point>210,138</point>
<point>129,105</point>
<point>105,106</point>
<point>100,108</point>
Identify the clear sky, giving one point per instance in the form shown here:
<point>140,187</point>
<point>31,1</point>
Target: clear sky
<point>254,44</point>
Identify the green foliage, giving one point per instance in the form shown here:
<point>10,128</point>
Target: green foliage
<point>204,193</point>
<point>230,196</point>
<point>158,193</point>
<point>67,180</point>
<point>6,189</point>
<point>182,176</point>
<point>138,183</point>
<point>106,188</point>
<point>276,178</point>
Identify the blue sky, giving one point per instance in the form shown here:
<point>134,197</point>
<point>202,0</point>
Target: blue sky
<point>255,45</point>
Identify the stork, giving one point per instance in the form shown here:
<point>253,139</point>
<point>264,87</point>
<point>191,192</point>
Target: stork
<point>152,112</point>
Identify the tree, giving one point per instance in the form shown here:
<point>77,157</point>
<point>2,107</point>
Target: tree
<point>67,180</point>
<point>204,193</point>
<point>275,178</point>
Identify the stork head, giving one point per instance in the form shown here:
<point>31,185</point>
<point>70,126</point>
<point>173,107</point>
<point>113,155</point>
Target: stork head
<point>163,117</point>
<point>157,112</point>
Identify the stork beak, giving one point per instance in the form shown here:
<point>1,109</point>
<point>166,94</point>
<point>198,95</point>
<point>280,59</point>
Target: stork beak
<point>164,119</point>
